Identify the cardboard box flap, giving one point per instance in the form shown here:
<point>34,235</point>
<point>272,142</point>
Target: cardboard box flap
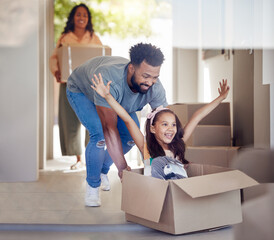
<point>145,204</point>
<point>206,185</point>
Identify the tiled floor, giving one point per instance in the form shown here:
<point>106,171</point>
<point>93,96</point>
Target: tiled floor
<point>53,208</point>
<point>55,199</point>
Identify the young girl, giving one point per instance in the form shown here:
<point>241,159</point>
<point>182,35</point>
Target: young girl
<point>165,136</point>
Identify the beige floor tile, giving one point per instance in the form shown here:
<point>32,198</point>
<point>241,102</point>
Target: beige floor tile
<point>25,201</point>
<point>58,201</point>
<point>67,183</point>
<point>15,216</point>
<point>95,216</point>
<point>39,186</point>
<point>48,217</point>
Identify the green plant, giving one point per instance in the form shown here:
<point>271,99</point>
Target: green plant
<point>121,18</point>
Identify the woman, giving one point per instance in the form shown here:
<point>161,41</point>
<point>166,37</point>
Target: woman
<point>78,29</point>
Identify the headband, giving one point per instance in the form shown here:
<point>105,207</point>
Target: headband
<point>153,114</point>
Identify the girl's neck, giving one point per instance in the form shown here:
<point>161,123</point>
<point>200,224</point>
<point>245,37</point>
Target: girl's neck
<point>169,153</point>
<point>79,32</point>
<point>165,147</point>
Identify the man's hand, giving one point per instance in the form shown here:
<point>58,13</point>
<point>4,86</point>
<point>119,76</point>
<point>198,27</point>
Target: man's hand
<point>120,173</point>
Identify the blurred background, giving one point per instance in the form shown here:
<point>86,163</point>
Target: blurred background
<point>203,42</point>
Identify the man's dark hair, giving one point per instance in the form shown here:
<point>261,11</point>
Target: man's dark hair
<point>146,52</point>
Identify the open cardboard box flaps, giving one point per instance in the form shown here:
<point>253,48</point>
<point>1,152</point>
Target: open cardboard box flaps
<point>209,198</point>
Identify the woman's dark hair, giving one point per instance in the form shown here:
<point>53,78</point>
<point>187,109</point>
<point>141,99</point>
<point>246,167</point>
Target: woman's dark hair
<point>70,22</point>
<point>146,52</point>
<point>177,146</point>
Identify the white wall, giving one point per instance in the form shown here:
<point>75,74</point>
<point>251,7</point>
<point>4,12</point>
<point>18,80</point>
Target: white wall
<point>223,23</point>
<point>261,104</point>
<point>19,90</point>
<point>212,71</point>
<point>185,75</point>
<point>268,73</point>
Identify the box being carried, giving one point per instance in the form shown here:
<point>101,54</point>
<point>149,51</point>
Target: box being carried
<point>71,56</point>
<point>209,198</point>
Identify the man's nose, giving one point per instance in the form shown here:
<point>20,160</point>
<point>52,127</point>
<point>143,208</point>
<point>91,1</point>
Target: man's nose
<point>150,82</point>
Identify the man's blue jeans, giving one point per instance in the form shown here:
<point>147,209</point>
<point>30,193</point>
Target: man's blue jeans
<point>97,158</point>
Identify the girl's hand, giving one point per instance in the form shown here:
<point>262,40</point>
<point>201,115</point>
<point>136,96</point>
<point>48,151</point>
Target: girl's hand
<point>223,89</point>
<point>99,86</point>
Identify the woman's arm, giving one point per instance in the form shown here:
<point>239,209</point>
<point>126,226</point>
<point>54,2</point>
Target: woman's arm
<point>132,127</point>
<point>53,61</point>
<point>205,110</point>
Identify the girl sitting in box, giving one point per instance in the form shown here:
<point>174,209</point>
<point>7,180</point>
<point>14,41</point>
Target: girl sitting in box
<point>165,137</point>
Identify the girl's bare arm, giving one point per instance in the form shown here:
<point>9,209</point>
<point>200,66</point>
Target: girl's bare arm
<point>205,110</point>
<point>102,90</point>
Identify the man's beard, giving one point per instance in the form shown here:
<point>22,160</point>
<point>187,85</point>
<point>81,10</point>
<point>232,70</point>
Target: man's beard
<point>137,87</point>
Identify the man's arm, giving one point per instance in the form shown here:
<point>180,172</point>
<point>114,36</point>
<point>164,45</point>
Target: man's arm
<point>112,137</point>
<point>103,91</point>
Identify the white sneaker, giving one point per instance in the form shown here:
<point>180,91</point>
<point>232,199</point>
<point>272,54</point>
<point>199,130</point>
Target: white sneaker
<point>105,186</point>
<point>92,196</point>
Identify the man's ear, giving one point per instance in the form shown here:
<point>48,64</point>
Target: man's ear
<point>131,68</point>
<point>152,129</point>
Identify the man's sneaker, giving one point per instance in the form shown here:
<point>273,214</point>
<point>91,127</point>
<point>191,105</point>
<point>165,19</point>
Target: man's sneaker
<point>105,186</point>
<point>92,196</point>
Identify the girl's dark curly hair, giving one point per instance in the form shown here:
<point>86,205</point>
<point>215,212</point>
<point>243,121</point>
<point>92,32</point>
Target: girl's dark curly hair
<point>177,146</point>
<point>146,52</point>
<point>70,22</point>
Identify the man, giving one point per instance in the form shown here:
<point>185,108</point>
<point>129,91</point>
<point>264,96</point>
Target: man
<point>134,84</point>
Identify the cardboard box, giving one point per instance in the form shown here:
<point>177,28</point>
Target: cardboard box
<point>209,198</point>
<point>258,214</point>
<point>210,135</point>
<point>219,116</point>
<point>258,163</point>
<point>70,57</point>
<point>218,156</point>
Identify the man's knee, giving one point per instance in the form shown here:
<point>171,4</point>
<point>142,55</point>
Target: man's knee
<point>101,143</point>
<point>131,143</point>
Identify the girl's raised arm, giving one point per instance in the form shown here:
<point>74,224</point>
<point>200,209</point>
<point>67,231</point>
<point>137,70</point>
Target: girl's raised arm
<point>132,127</point>
<point>205,110</point>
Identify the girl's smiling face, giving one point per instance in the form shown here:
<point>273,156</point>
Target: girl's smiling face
<point>81,18</point>
<point>164,129</point>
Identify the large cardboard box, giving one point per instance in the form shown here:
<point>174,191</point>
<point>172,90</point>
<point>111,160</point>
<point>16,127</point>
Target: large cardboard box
<point>209,198</point>
<point>210,135</point>
<point>219,116</point>
<point>70,57</point>
<point>212,155</point>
